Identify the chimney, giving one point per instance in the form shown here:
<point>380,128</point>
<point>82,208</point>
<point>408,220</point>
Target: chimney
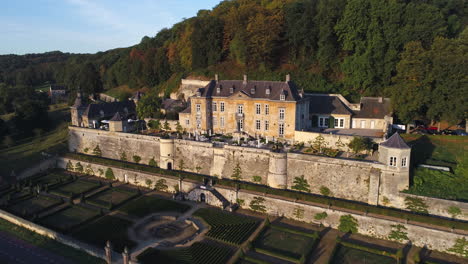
<point>380,99</point>
<point>216,77</point>
<point>245,78</point>
<point>288,77</point>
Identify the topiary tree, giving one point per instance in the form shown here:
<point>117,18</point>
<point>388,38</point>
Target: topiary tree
<point>348,224</point>
<point>152,162</point>
<point>179,128</point>
<point>319,143</point>
<point>181,165</point>
<point>154,124</point>
<point>100,172</point>
<point>257,204</point>
<point>320,216</point>
<point>454,211</point>
<point>298,212</point>
<point>460,247</point>
<point>79,167</point>
<point>237,172</point>
<point>325,191</point>
<point>70,166</point>
<point>300,184</point>
<point>89,170</point>
<point>149,183</point>
<point>359,144</point>
<point>161,185</point>
<point>398,233</point>
<point>416,204</point>
<point>123,156</point>
<point>97,151</point>
<point>110,174</point>
<point>136,158</point>
<point>257,179</point>
<point>166,126</point>
<point>339,144</point>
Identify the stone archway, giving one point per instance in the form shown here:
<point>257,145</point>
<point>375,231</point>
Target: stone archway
<point>169,166</point>
<point>202,198</point>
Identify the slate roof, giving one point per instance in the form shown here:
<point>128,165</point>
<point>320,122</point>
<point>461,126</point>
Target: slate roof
<point>372,108</point>
<point>395,141</point>
<point>109,109</point>
<point>116,117</point>
<point>276,88</point>
<point>187,110</point>
<point>327,105</point>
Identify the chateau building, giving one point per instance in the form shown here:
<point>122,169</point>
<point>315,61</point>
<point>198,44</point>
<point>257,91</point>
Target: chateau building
<point>277,109</point>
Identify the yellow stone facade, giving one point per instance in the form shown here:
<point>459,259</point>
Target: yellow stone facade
<point>258,116</point>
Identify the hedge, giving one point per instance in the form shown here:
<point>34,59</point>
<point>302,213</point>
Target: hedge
<point>335,202</point>
<point>276,255</point>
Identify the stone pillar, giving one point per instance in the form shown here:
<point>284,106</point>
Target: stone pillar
<point>108,250</point>
<point>126,256</point>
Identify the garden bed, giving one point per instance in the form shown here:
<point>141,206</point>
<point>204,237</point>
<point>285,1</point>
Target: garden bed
<point>107,228</point>
<point>34,205</point>
<point>69,218</point>
<point>198,253</point>
<point>349,255</point>
<point>75,188</point>
<point>227,227</point>
<point>147,205</point>
<point>111,198</point>
<point>285,243</point>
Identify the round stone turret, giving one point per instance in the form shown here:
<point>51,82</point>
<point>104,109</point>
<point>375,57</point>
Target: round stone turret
<point>395,153</point>
<point>277,170</point>
<point>166,157</point>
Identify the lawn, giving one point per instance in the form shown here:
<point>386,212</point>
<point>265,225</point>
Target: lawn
<point>111,197</point>
<point>76,187</point>
<point>53,246</point>
<point>347,255</point>
<point>68,218</point>
<point>227,227</point>
<point>34,205</point>
<point>147,205</point>
<point>198,253</point>
<point>110,228</point>
<point>284,243</point>
<point>54,177</point>
<point>447,151</point>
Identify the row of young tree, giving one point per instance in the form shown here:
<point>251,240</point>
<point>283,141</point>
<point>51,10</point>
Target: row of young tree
<point>355,47</point>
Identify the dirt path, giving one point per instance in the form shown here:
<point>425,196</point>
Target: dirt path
<point>322,253</point>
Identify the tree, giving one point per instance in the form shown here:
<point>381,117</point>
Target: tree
<point>179,128</point>
<point>97,151</point>
<point>161,185</point>
<point>136,158</point>
<point>416,204</point>
<point>110,174</point>
<point>149,106</point>
<point>257,204</point>
<point>359,144</point>
<point>154,124</point>
<point>152,162</point>
<point>149,183</point>
<point>89,170</point>
<point>325,191</point>
<point>237,172</point>
<point>123,156</point>
<point>320,216</point>
<point>166,126</point>
<point>348,224</point>
<point>70,166</point>
<point>300,184</point>
<point>79,167</point>
<point>319,143</point>
<point>460,247</point>
<point>298,212</point>
<point>398,233</point>
<point>454,211</point>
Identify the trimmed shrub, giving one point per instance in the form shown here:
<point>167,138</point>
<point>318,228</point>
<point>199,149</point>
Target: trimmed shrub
<point>110,174</point>
<point>348,224</point>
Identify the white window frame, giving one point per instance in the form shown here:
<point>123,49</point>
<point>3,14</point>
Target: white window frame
<point>282,97</point>
<point>267,109</point>
<point>339,122</point>
<point>282,114</point>
<point>393,161</point>
<point>240,109</point>
<point>187,122</point>
<point>258,125</point>
<point>323,121</point>
<point>258,109</point>
<point>221,121</point>
<point>215,121</point>
<point>267,125</point>
<point>198,108</point>
<point>267,91</point>
<point>404,162</point>
<point>363,124</point>
<point>221,107</point>
<point>241,124</point>
<point>215,107</point>
<point>281,130</point>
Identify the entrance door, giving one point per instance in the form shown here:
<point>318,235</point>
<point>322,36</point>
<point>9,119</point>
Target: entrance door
<point>363,124</point>
<point>169,166</point>
<point>372,124</point>
<point>202,198</point>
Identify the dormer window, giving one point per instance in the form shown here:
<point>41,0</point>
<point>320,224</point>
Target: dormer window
<point>231,90</point>
<point>282,97</point>
<point>218,90</point>
<point>198,93</point>
<point>252,91</point>
<point>268,90</point>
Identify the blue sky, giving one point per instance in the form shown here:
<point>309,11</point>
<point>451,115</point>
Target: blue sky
<point>87,26</point>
